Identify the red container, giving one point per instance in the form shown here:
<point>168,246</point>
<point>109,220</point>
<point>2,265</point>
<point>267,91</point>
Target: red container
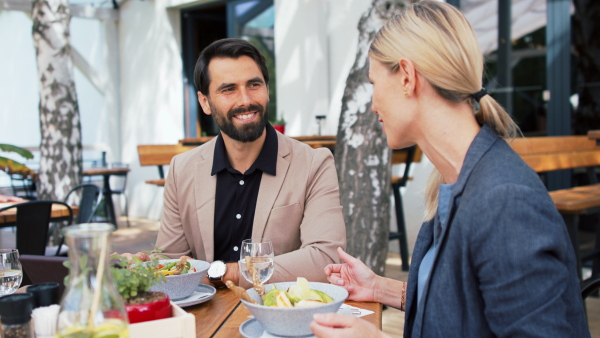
<point>151,311</point>
<point>280,128</point>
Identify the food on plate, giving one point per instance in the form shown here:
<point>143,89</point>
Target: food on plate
<point>299,295</point>
<point>176,268</point>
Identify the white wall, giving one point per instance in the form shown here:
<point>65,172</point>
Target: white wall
<point>151,93</point>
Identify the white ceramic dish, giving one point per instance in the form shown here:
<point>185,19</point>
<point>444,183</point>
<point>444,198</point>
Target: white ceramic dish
<point>293,321</point>
<point>182,286</point>
<point>203,293</point>
<point>252,329</point>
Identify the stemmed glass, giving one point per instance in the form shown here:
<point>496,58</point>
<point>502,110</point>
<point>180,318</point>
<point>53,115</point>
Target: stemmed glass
<point>11,273</point>
<point>256,262</point>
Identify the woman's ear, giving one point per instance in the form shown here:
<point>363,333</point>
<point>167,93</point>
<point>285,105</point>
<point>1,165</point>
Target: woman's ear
<point>408,76</point>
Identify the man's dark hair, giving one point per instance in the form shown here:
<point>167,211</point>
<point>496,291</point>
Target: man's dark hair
<point>226,48</point>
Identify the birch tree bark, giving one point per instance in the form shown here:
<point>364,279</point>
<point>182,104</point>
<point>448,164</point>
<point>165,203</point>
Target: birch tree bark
<point>60,148</point>
<point>586,29</point>
<point>362,156</point>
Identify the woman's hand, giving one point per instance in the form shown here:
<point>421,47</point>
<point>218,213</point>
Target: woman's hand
<point>335,325</point>
<point>354,276</point>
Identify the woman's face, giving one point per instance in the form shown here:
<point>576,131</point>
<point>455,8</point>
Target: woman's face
<point>391,104</point>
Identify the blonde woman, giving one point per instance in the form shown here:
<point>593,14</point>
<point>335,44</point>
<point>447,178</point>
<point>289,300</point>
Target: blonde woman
<point>493,257</point>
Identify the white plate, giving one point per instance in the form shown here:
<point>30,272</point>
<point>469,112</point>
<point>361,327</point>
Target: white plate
<point>252,329</point>
<point>202,294</point>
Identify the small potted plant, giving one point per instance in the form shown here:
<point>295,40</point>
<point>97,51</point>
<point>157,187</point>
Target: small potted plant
<point>133,282</point>
<point>279,124</point>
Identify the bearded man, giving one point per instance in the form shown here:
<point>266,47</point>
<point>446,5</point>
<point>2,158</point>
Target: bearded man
<point>250,181</point>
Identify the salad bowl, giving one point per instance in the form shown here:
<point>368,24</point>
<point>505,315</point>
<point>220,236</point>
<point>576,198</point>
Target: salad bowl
<point>182,285</point>
<point>293,321</point>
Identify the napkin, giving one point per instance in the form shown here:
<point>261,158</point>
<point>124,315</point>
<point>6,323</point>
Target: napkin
<point>346,309</point>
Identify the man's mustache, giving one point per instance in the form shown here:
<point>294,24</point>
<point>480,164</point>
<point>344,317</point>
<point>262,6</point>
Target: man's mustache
<point>240,110</point>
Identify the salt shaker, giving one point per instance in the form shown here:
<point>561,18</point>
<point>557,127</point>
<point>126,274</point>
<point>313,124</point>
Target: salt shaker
<point>15,315</point>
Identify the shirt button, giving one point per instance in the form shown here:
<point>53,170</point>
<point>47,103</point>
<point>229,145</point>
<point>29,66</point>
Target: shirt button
<point>238,216</point>
<point>241,182</point>
<point>235,248</point>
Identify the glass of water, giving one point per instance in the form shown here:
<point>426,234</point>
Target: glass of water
<point>11,273</point>
<point>256,261</point>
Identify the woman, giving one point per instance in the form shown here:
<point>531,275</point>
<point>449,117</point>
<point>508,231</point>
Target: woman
<point>493,257</point>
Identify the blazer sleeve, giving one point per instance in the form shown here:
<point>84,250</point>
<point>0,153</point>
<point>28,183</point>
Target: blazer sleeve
<point>322,229</point>
<point>171,236</point>
<point>524,260</point>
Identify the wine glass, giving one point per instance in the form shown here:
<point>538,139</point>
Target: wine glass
<point>256,262</point>
<point>11,273</point>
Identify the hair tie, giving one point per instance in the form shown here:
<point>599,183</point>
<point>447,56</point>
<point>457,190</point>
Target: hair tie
<point>477,96</point>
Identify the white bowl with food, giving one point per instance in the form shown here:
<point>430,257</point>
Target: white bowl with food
<point>182,277</point>
<point>293,306</point>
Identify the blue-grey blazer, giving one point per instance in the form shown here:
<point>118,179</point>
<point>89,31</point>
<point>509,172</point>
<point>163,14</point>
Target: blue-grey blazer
<point>504,265</point>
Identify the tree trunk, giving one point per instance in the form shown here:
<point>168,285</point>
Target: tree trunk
<point>362,156</point>
<point>586,29</point>
<point>60,148</point>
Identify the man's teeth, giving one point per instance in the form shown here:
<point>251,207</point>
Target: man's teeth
<point>245,116</point>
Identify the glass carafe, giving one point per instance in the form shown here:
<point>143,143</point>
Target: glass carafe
<point>91,306</point>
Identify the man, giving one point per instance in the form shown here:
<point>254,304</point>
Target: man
<point>250,181</point>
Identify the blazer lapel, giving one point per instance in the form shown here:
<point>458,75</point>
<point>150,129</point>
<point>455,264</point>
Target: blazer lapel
<point>269,189</point>
<point>205,187</point>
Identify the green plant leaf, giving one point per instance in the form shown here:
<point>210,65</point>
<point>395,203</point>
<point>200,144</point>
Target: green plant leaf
<point>7,164</point>
<point>14,149</point>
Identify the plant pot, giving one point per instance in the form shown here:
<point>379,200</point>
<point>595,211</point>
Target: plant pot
<point>280,128</point>
<point>159,309</point>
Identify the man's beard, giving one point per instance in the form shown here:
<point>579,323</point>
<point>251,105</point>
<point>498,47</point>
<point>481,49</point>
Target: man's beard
<point>247,132</point>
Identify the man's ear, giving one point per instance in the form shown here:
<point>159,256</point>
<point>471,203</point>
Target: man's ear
<point>408,75</point>
<point>203,100</point>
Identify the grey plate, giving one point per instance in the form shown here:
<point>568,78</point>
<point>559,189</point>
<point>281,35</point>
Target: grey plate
<point>252,329</point>
<point>195,298</point>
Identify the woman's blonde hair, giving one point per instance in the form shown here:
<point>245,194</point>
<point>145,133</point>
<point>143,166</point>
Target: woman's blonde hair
<point>443,47</point>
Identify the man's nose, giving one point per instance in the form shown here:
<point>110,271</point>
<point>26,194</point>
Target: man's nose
<point>245,99</point>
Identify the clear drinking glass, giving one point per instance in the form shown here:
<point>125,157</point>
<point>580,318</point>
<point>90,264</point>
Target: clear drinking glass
<point>256,260</point>
<point>11,273</point>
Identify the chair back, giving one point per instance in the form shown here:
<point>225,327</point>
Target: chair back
<point>33,220</point>
<point>91,196</point>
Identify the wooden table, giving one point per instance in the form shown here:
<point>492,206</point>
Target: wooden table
<point>223,315</point>
<point>58,211</point>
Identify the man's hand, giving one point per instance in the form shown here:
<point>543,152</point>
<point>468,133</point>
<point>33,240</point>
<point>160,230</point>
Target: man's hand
<point>144,257</point>
<point>336,325</point>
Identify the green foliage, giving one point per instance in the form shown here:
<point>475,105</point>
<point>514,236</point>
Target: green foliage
<point>12,165</point>
<point>136,278</point>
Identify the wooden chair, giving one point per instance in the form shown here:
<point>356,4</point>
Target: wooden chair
<point>33,222</point>
<point>406,156</point>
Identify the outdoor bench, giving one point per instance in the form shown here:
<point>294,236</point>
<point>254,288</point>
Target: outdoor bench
<point>545,154</point>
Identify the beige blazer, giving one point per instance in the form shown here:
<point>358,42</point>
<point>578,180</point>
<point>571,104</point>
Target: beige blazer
<point>298,209</point>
